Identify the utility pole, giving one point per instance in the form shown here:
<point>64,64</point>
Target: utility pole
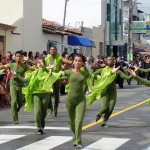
<point>130,41</point>
<point>64,19</point>
<point>66,1</point>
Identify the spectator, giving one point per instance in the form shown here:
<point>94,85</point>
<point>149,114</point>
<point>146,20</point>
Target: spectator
<point>8,57</point>
<point>89,63</point>
<point>37,54</point>
<point>44,54</point>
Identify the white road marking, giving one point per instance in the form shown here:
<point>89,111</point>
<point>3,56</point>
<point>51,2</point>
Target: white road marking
<point>6,138</point>
<point>107,144</point>
<point>33,127</point>
<point>47,143</point>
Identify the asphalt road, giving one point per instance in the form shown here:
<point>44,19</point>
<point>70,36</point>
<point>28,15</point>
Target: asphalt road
<point>129,126</point>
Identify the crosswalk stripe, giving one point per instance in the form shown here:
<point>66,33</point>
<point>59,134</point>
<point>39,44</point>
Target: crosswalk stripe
<point>47,143</point>
<point>107,144</point>
<point>33,127</point>
<point>6,138</point>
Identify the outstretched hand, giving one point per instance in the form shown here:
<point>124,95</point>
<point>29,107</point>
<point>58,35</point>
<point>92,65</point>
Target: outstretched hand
<point>115,69</point>
<point>136,68</point>
<point>132,72</point>
<point>51,66</point>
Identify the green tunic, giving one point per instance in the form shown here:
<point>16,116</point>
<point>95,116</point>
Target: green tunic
<point>49,60</point>
<point>76,102</point>
<point>57,61</point>
<point>20,70</point>
<point>113,85</point>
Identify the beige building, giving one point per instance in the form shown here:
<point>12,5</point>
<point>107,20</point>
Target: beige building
<point>96,34</point>
<point>5,34</point>
<point>31,32</point>
<point>98,38</point>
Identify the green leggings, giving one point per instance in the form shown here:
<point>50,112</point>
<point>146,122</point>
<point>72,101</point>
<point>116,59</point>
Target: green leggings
<point>56,90</point>
<point>16,100</point>
<point>108,102</point>
<point>40,101</point>
<point>76,113</point>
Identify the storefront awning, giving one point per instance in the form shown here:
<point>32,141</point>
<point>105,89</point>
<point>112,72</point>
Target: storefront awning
<point>80,41</point>
<point>140,48</point>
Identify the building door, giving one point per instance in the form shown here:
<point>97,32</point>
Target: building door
<point>115,51</point>
<point>1,45</point>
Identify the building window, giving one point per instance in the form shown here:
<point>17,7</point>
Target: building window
<point>108,12</point>
<point>100,48</point>
<point>120,16</point>
<point>49,44</point>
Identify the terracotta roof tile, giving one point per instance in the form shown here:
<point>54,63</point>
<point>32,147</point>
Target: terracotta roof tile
<point>59,28</point>
<point>6,26</point>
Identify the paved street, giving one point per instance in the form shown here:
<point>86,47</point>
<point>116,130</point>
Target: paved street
<point>129,126</point>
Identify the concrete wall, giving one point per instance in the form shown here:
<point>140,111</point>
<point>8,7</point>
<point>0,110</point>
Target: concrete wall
<point>14,42</point>
<point>98,37</point>
<point>32,31</point>
<point>51,37</point>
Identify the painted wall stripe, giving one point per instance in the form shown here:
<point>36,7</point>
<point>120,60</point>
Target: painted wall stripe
<point>107,144</point>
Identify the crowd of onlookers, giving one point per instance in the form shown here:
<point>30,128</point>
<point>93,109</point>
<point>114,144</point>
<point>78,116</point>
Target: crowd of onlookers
<point>6,75</point>
<point>91,63</point>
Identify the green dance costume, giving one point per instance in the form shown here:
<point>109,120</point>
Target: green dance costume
<point>144,70</point>
<point>16,90</point>
<point>76,103</point>
<point>143,81</point>
<point>56,86</point>
<point>37,93</point>
<point>106,91</point>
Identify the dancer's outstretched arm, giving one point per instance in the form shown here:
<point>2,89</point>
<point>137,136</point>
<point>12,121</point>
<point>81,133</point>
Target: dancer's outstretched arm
<point>139,79</point>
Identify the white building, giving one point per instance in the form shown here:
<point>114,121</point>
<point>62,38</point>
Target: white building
<point>111,19</point>
<point>32,33</point>
<point>138,39</point>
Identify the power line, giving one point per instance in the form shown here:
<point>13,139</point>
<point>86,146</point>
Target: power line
<point>110,13</point>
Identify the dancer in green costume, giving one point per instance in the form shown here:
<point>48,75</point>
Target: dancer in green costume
<point>76,101</point>
<point>37,93</point>
<point>109,93</point>
<point>142,70</point>
<point>54,60</point>
<point>139,79</point>
<point>16,85</point>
